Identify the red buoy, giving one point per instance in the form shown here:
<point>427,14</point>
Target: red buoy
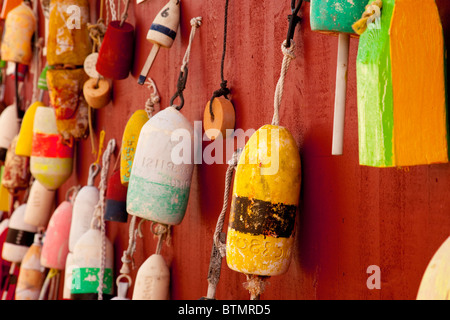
<point>115,57</point>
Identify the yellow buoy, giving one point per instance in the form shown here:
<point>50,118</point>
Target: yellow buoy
<point>23,147</point>
<point>265,198</point>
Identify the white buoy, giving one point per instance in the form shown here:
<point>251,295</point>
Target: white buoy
<point>39,205</point>
<point>152,280</point>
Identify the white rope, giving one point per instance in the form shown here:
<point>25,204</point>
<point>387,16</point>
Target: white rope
<point>153,100</point>
<point>100,209</point>
<point>195,23</point>
<point>288,57</point>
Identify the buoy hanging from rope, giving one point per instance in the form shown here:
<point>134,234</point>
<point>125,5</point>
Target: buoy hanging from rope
<point>31,273</point>
<point>17,170</point>
<point>152,280</point>
<point>68,41</point>
<point>20,26</point>
<point>51,160</point>
<point>25,140</point>
<point>159,184</point>
<point>219,114</point>
<point>116,199</point>
<point>9,128</point>
<point>132,131</point>
<point>19,238</point>
<point>39,205</point>
<point>84,207</point>
<point>162,33</point>
<point>265,197</point>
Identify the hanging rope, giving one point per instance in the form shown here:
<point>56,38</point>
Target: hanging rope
<point>162,231</point>
<point>100,209</point>
<point>153,100</point>
<point>125,13</point>
<point>289,55</point>
<point>223,91</point>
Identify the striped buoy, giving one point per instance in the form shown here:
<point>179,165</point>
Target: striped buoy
<point>25,140</point>
<point>39,205</point>
<point>19,238</point>
<point>83,208</point>
<point>31,273</point>
<point>129,143</point>
<point>152,280</point>
<point>56,241</point>
<point>265,198</point>
<point>9,128</point>
<point>161,174</point>
<point>51,160</point>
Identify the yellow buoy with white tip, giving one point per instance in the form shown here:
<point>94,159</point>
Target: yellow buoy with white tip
<point>265,199</point>
<point>23,147</point>
<point>152,280</point>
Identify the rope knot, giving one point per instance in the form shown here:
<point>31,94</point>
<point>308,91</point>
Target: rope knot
<point>196,22</point>
<point>288,51</point>
<point>372,12</point>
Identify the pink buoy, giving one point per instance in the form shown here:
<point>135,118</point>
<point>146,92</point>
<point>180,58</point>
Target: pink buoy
<point>115,57</point>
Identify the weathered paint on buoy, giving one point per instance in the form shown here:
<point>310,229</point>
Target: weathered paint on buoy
<point>435,283</point>
<point>224,118</point>
<point>31,273</point>
<point>24,142</point>
<point>152,280</point>
<point>9,128</point>
<point>129,143</point>
<point>19,238</point>
<point>39,205</point>
<point>51,160</point>
<point>115,57</point>
<point>161,175</point>
<point>266,192</point>
<point>56,241</point>
<point>87,256</point>
<point>97,92</point>
<point>83,210</point>
<point>20,26</point>
<point>68,45</point>
<point>17,170</point>
<point>116,199</point>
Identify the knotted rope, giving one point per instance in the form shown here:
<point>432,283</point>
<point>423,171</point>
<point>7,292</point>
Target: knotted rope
<point>372,12</point>
<point>195,23</point>
<point>289,55</point>
<point>153,100</point>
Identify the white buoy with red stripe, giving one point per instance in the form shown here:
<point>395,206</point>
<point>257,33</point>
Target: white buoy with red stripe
<point>39,205</point>
<point>19,238</point>
<point>56,241</point>
<point>152,280</point>
<point>83,208</point>
<point>31,272</point>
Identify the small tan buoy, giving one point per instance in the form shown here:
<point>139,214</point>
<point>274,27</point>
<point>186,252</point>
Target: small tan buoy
<point>152,280</point>
<point>97,92</point>
<point>223,119</point>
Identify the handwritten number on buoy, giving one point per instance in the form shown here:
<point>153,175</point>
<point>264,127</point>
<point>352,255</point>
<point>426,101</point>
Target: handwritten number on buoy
<point>165,13</point>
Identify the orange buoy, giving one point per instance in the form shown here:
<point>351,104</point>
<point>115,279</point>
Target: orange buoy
<point>16,43</point>
<point>152,280</point>
<point>31,273</point>
<point>56,241</point>
<point>223,120</point>
<point>51,160</point>
<point>17,170</point>
<point>19,238</point>
<point>97,92</point>
<point>115,56</point>
<point>39,205</point>
<point>83,208</point>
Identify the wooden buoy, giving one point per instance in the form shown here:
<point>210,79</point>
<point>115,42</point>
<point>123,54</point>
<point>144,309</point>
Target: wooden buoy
<point>129,143</point>
<point>338,17</point>
<point>97,92</point>
<point>162,33</point>
<point>19,238</point>
<point>265,198</point>
<point>51,160</point>
<point>68,41</point>
<point>161,175</point>
<point>87,259</point>
<point>116,199</point>
<point>401,87</point>
<point>152,280</point>
<point>83,208</point>
<point>17,170</point>
<point>7,6</point>
<point>224,118</point>
<point>56,241</point>
<point>24,142</point>
<point>115,57</point>
<point>435,283</point>
<point>39,205</point>
<point>16,43</point>
<point>31,273</point>
<point>9,128</point>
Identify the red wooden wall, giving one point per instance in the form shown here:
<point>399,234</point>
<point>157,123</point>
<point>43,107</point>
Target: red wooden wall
<point>350,216</point>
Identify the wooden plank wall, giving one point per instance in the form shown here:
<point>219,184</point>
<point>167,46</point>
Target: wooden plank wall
<point>350,216</point>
